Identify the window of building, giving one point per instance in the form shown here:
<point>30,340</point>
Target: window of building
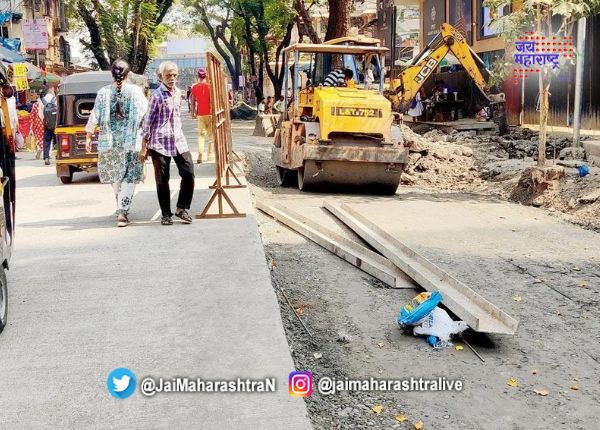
<point>485,17</point>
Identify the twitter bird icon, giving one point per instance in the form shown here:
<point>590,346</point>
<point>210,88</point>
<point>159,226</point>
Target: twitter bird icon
<point>121,383</point>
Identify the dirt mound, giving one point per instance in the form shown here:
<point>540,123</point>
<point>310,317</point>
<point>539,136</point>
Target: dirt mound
<point>436,161</point>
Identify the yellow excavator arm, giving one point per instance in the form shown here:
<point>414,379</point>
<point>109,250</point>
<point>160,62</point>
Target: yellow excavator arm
<point>413,77</point>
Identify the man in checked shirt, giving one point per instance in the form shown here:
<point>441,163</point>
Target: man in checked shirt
<point>163,139</point>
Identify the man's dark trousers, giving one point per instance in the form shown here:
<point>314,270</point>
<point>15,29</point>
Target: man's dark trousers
<point>185,165</point>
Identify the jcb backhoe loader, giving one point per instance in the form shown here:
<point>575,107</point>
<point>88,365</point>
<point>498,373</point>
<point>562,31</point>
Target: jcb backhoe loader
<point>412,78</point>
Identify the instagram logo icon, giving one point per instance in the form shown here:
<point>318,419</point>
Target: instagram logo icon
<point>300,384</point>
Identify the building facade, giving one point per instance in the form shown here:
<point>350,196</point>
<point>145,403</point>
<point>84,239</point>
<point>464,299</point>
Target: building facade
<point>188,54</point>
<point>413,25</point>
<point>418,21</point>
<point>57,57</point>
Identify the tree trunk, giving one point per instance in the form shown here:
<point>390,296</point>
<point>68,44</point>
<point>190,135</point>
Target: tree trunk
<point>544,87</point>
<point>339,18</point>
<point>261,80</point>
<point>238,72</point>
<point>280,69</point>
<point>276,76</point>
<point>95,46</point>
<point>227,49</point>
<point>300,8</point>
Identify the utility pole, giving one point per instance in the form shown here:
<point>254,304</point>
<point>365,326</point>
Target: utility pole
<point>578,104</point>
<point>37,52</point>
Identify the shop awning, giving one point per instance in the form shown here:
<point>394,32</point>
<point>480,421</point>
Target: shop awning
<point>9,56</point>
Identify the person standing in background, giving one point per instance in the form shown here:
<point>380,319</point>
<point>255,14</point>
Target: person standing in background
<point>37,126</point>
<point>416,107</point>
<point>278,106</point>
<point>269,105</point>
<point>50,116</point>
<point>200,103</point>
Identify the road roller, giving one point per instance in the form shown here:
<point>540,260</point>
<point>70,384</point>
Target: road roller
<point>337,130</point>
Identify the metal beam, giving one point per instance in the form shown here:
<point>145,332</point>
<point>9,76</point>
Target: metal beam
<point>363,258</point>
<point>480,314</point>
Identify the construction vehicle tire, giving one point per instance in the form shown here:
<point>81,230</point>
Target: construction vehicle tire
<point>285,177</point>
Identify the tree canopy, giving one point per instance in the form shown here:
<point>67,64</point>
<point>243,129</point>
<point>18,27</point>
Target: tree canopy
<point>126,29</point>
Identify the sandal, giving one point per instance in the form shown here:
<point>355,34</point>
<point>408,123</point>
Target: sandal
<point>122,220</point>
<point>184,216</point>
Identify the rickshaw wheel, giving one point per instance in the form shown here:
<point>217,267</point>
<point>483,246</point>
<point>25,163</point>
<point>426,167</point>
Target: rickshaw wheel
<point>67,179</point>
<point>3,299</point>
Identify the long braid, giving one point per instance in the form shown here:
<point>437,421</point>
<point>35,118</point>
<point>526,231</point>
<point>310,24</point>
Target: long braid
<point>120,114</point>
<point>120,70</point>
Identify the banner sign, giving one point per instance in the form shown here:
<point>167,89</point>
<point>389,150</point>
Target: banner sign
<point>434,15</point>
<point>35,34</point>
<point>20,76</point>
<point>532,52</point>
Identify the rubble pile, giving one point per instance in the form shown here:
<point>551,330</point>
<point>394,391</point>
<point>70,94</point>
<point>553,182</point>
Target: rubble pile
<point>502,165</point>
<point>436,161</point>
<point>523,142</point>
<point>243,111</point>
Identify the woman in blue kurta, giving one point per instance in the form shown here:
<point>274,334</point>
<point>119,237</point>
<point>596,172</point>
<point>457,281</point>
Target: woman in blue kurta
<point>118,112</point>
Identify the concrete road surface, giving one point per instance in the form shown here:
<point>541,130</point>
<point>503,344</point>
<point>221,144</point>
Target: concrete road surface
<point>185,300</point>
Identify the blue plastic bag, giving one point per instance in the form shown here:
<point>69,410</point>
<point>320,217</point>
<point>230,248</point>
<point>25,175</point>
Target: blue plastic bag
<point>418,308</point>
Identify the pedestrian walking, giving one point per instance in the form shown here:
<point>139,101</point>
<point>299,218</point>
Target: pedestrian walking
<point>118,112</point>
<point>163,140</point>
<point>37,126</point>
<point>200,102</point>
<point>50,117</point>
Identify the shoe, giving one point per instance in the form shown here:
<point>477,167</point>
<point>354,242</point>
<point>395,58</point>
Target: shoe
<point>184,216</point>
<point>199,160</point>
<point>47,162</point>
<point>122,220</point>
<point>166,220</point>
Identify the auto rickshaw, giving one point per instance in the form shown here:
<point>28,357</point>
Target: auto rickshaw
<point>7,192</point>
<point>76,97</point>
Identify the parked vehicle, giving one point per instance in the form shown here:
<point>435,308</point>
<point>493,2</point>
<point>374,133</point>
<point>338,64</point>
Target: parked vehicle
<point>76,97</point>
<point>7,197</point>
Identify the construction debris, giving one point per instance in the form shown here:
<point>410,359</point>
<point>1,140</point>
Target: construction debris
<point>435,161</point>
<point>368,261</point>
<point>243,111</point>
<point>477,312</point>
<point>494,165</point>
